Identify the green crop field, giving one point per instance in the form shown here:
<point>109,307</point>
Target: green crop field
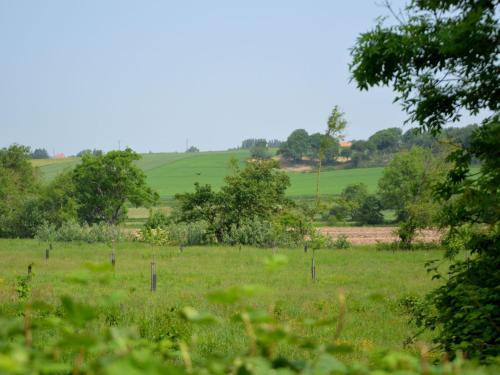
<point>372,281</point>
<point>172,173</point>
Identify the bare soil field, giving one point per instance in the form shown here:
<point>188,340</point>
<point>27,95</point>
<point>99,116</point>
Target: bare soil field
<point>372,235</point>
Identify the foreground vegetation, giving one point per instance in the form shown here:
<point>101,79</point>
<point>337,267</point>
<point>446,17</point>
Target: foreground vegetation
<point>375,316</point>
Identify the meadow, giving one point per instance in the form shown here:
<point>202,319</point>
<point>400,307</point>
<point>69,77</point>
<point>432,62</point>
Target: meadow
<point>373,282</point>
<point>173,173</point>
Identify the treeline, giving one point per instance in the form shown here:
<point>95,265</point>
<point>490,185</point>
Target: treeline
<point>94,192</point>
<point>249,143</point>
<point>377,150</point>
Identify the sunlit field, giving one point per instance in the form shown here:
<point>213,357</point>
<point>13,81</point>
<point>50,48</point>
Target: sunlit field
<point>374,282</point>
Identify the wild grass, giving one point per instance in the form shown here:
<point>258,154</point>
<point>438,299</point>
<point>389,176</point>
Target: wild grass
<point>373,282</point>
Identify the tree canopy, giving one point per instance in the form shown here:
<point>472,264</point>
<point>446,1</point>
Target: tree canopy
<point>441,58</point>
<point>103,184</point>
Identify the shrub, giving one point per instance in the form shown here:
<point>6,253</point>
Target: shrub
<point>72,231</point>
<point>157,219</point>
<point>369,212</point>
<point>250,232</point>
<point>342,242</point>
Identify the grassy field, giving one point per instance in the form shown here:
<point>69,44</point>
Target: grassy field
<point>373,282</point>
<point>172,173</point>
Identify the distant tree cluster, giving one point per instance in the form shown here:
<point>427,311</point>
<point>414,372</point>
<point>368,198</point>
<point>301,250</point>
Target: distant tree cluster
<point>192,149</point>
<point>382,145</point>
<point>300,144</point>
<point>94,152</point>
<point>249,143</point>
<point>40,153</point>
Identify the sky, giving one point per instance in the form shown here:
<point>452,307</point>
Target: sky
<point>155,75</point>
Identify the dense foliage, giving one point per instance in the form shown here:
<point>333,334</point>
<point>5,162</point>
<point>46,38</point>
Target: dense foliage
<point>407,187</point>
<point>250,198</point>
<point>442,60</point>
<point>103,184</point>
<point>96,191</point>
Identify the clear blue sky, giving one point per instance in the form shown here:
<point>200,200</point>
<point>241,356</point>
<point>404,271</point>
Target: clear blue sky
<point>86,74</point>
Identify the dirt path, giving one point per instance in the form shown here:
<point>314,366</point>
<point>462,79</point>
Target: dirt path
<point>371,235</point>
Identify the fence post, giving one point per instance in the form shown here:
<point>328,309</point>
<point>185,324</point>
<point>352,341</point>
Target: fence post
<point>153,275</point>
<point>313,268</point>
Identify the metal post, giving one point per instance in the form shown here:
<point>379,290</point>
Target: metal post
<point>153,276</point>
<point>313,269</point>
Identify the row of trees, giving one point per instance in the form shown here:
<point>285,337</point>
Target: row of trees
<point>249,143</point>
<point>96,191</point>
<point>378,149</point>
<point>300,144</point>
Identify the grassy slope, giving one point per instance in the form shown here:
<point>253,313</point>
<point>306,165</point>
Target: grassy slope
<point>172,173</point>
<point>374,318</point>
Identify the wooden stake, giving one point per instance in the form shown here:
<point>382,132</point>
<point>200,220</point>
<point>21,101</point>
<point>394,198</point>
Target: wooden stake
<point>29,269</point>
<point>47,251</point>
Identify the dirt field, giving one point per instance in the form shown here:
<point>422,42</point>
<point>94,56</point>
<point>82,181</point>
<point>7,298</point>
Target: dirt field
<point>371,235</point>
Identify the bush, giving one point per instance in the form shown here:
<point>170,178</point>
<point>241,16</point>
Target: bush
<point>250,232</point>
<point>369,212</point>
<point>157,219</point>
<point>72,231</point>
<point>342,242</point>
<point>195,233</point>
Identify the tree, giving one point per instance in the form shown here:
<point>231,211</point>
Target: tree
<point>40,153</point>
<point>369,211</point>
<point>84,152</point>
<point>260,150</point>
<point>407,186</point>
<point>18,187</point>
<point>387,140</point>
<point>56,200</point>
<point>442,60</point>
<point>103,184</point>
<point>247,144</point>
<point>256,192</point>
<point>203,204</point>
<point>335,126</point>
<point>296,146</point>
<point>361,151</point>
<point>192,149</point>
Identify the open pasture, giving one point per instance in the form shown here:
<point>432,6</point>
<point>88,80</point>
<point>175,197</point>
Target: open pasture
<point>373,283</point>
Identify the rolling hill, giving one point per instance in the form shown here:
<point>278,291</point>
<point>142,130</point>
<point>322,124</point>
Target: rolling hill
<point>172,173</point>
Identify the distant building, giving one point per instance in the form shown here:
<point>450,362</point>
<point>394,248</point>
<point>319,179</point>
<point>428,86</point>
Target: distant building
<point>59,155</point>
<point>345,144</point>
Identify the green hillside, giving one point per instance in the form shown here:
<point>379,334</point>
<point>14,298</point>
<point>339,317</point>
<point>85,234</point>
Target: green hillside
<point>172,173</point>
